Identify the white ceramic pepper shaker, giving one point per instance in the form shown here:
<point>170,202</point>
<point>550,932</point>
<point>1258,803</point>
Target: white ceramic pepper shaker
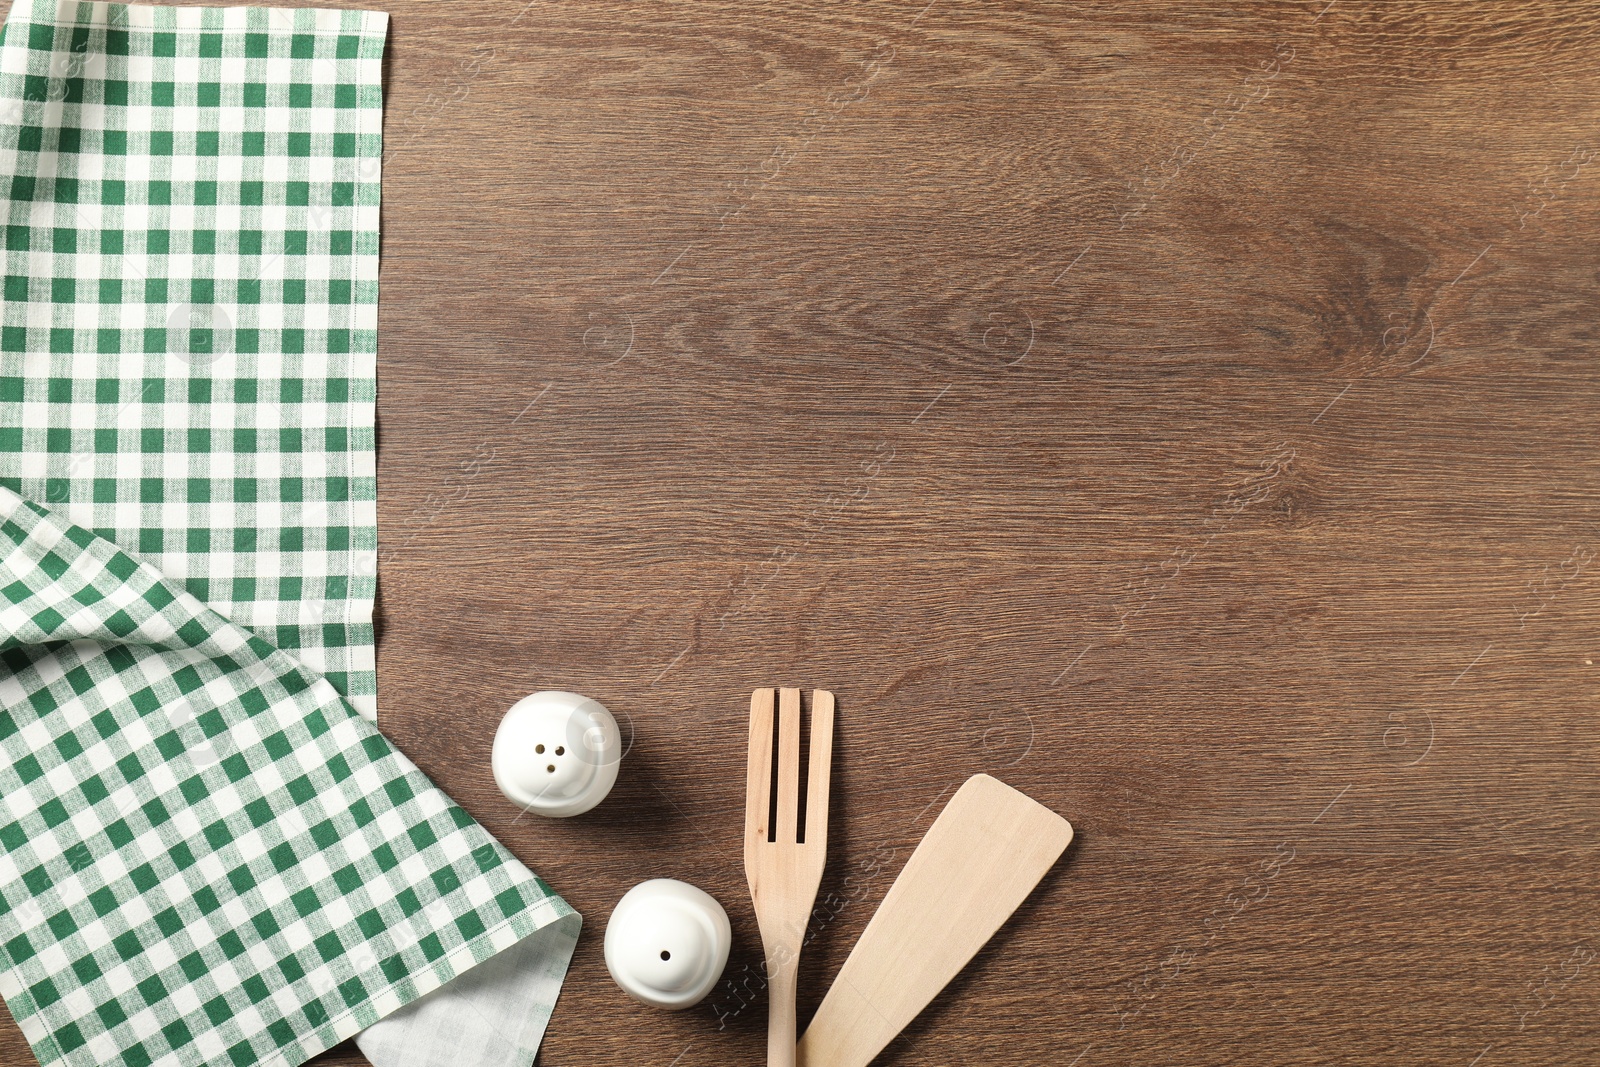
<point>556,753</point>
<point>667,943</point>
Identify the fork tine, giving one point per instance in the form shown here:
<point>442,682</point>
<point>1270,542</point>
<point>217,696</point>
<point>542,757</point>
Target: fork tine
<point>821,764</point>
<point>758,785</point>
<point>788,783</point>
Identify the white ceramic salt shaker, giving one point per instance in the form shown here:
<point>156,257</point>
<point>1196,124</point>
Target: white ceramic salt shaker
<point>556,753</point>
<point>667,943</point>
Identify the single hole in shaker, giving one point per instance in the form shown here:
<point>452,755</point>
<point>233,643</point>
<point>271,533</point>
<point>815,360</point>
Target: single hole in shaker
<point>561,750</point>
<point>551,768</point>
<point>539,749</point>
<point>665,954</point>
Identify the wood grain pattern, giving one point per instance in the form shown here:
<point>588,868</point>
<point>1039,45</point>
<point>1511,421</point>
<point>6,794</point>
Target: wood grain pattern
<point>1184,412</point>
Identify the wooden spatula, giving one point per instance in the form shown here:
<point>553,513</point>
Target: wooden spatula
<point>978,862</point>
<point>783,857</point>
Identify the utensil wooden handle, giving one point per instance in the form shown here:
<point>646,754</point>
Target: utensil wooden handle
<point>781,983</point>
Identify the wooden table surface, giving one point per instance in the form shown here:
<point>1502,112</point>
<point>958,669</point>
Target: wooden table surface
<point>1183,412</point>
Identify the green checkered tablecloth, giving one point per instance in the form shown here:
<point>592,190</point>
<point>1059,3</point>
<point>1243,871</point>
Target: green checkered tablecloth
<point>190,307</point>
<point>207,854</point>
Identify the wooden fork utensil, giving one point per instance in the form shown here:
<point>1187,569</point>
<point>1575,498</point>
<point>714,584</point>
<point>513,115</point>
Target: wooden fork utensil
<point>783,856</point>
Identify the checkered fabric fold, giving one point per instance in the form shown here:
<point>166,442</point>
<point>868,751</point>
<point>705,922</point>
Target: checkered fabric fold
<point>207,854</point>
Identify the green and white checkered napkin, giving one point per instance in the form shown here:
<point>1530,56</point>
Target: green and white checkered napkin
<point>191,297</point>
<point>206,854</point>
